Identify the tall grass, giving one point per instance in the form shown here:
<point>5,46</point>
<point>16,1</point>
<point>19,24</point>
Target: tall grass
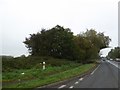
<point>35,72</point>
<point>34,75</point>
<point>45,79</point>
<point>10,64</point>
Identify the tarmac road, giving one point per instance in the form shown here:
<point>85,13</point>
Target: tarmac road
<point>104,76</point>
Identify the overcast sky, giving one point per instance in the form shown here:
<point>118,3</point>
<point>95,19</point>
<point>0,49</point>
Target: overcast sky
<point>19,18</point>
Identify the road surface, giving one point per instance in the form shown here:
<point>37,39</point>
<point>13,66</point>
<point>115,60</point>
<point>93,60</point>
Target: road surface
<point>104,76</point>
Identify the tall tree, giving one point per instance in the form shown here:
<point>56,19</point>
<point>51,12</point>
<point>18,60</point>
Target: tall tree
<point>60,42</point>
<point>91,43</point>
<point>56,42</point>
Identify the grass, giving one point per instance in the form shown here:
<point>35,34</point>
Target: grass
<point>50,75</point>
<point>13,64</point>
<point>35,72</point>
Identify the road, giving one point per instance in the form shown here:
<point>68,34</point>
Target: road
<point>104,76</point>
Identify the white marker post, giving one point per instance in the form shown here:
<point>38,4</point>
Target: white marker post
<point>43,65</point>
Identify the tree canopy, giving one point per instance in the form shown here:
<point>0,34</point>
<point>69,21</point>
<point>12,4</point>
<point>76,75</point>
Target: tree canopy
<point>114,53</point>
<point>90,43</point>
<point>59,42</point>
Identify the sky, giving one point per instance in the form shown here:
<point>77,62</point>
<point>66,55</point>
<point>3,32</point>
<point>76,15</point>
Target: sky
<point>19,18</point>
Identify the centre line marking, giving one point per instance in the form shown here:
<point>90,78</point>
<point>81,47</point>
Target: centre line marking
<point>71,87</point>
<point>76,82</point>
<point>81,79</point>
<point>95,70</point>
<point>62,86</point>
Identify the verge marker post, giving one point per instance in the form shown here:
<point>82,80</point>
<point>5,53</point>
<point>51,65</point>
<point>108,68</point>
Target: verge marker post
<point>43,65</point>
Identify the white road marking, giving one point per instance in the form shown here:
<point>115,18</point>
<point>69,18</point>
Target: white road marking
<point>76,82</point>
<point>95,70</point>
<point>71,87</point>
<point>116,65</point>
<point>81,79</point>
<point>62,86</point>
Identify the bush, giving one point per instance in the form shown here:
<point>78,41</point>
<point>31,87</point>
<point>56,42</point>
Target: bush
<point>30,62</point>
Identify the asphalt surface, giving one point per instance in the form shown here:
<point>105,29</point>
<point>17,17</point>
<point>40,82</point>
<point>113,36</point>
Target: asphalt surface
<point>104,76</point>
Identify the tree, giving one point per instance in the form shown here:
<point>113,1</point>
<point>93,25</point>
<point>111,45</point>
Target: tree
<point>57,42</point>
<point>114,53</point>
<point>91,42</point>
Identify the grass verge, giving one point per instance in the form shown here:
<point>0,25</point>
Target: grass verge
<point>53,78</point>
<point>34,73</point>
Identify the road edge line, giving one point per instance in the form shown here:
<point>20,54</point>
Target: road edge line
<point>60,82</point>
<point>113,64</point>
<point>95,70</point>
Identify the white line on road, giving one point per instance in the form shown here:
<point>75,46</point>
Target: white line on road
<point>76,82</point>
<point>62,86</point>
<point>116,65</point>
<point>95,70</point>
<point>71,87</point>
<point>81,79</point>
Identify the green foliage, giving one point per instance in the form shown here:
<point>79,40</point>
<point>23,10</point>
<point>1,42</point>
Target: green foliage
<point>89,44</point>
<point>36,72</point>
<point>51,75</point>
<point>59,42</point>
<point>30,62</point>
<point>55,42</point>
<point>114,53</point>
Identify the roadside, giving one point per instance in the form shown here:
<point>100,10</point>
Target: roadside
<point>54,85</point>
<point>58,77</point>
